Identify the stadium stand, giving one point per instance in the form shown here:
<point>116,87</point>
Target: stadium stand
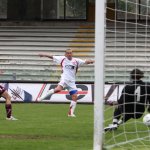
<point>20,46</point>
<point>125,49</point>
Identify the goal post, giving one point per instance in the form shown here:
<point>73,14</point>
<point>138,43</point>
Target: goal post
<point>99,73</point>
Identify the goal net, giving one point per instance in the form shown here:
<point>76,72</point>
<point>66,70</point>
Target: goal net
<point>127,48</point>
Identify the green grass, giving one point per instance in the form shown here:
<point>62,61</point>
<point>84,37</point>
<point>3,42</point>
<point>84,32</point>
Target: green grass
<point>47,127</point>
<point>127,135</point>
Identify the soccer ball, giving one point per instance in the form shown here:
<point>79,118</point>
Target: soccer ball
<point>146,119</point>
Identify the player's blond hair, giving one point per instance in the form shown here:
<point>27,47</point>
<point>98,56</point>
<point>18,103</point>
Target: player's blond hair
<point>68,50</point>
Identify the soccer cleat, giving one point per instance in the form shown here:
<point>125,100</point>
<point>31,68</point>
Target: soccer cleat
<point>11,118</point>
<point>71,115</point>
<point>111,127</point>
<point>39,99</point>
<point>49,93</point>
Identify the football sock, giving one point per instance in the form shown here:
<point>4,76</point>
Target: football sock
<point>72,107</point>
<point>120,122</point>
<point>50,92</point>
<point>115,121</point>
<point>8,108</point>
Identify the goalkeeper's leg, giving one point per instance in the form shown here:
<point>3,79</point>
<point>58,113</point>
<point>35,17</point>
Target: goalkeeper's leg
<point>117,115</point>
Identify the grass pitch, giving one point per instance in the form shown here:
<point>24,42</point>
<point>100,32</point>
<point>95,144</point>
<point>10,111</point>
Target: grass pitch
<point>47,127</point>
<point>131,135</point>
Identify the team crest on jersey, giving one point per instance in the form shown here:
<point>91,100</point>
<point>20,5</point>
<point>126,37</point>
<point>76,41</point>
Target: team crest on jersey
<point>74,62</point>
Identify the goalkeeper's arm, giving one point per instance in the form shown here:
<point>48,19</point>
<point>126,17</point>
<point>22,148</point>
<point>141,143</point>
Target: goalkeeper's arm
<point>148,105</point>
<point>148,108</point>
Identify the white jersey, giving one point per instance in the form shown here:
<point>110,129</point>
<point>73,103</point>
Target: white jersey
<point>69,67</point>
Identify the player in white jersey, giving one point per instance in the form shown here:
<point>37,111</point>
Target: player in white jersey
<point>69,66</point>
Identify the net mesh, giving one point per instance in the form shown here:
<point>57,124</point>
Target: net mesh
<point>127,48</point>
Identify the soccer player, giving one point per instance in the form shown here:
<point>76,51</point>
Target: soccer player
<point>8,106</point>
<point>69,66</point>
<point>132,103</point>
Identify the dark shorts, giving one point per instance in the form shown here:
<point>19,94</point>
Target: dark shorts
<point>128,113</point>
<point>2,90</point>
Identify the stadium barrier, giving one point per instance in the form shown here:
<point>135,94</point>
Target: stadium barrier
<point>30,92</point>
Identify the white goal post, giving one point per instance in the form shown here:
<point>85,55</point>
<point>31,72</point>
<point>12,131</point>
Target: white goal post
<point>99,73</point>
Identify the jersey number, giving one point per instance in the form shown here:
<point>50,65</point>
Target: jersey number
<point>137,92</point>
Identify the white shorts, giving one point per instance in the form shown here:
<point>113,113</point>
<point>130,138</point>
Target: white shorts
<point>69,85</point>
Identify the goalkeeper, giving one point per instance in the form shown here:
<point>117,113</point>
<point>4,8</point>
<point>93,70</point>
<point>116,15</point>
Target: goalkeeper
<point>133,100</point>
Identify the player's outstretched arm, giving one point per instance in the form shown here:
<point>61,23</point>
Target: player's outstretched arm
<point>46,55</point>
<point>111,103</point>
<point>89,61</point>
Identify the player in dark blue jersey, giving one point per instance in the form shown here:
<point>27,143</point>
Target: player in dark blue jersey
<point>134,99</point>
